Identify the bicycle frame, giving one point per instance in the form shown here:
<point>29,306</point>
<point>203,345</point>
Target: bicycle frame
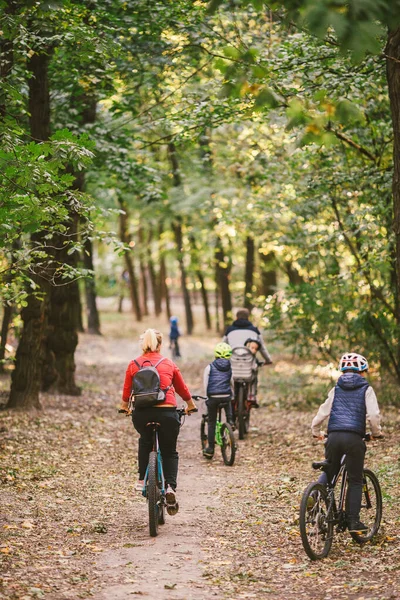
<point>218,426</point>
<point>338,513</point>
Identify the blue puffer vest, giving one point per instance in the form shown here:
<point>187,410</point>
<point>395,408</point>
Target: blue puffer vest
<point>219,381</point>
<point>348,411</point>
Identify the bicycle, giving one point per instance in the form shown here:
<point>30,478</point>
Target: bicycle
<point>224,437</point>
<point>154,481</point>
<point>320,513</point>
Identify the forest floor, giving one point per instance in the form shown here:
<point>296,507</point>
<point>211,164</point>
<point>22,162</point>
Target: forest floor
<point>72,526</point>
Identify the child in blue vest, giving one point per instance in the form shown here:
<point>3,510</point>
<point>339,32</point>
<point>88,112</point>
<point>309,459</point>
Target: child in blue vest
<point>174,334</point>
<point>349,404</point>
<point>218,386</point>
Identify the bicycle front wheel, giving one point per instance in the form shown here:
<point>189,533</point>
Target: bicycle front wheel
<point>371,507</point>
<point>228,447</point>
<point>153,494</point>
<point>316,527</point>
<point>241,413</point>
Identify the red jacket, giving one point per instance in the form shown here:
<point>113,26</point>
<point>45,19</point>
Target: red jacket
<point>169,375</point>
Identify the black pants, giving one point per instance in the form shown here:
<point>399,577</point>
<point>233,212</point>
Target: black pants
<point>212,406</point>
<point>167,435</point>
<point>353,446</point>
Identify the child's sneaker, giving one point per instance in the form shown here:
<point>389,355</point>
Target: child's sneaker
<point>253,399</point>
<point>208,452</point>
<point>357,527</point>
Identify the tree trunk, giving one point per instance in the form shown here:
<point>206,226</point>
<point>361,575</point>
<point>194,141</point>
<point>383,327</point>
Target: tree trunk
<point>177,229</point>
<point>63,320</point>
<point>269,278</point>
<point>5,325</point>
<point>393,77</point>
<point>26,377</point>
<point>199,274</point>
<point>164,291</point>
<point>6,61</point>
<point>153,278</point>
<point>223,269</point>
<point>294,276</point>
<point>204,297</point>
<point>143,274</point>
<point>249,273</point>
<point>93,318</point>
<point>125,238</point>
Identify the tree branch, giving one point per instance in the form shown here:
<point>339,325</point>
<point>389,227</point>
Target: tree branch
<point>353,144</point>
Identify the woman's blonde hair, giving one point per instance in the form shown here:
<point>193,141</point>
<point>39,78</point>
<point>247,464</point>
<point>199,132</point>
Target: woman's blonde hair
<point>151,340</point>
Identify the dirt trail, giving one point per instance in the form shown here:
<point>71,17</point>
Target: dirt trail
<point>170,566</point>
<point>72,527</point>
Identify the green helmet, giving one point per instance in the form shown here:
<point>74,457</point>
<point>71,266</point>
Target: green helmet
<point>222,350</point>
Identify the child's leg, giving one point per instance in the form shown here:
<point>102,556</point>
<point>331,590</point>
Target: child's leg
<point>212,408</point>
<point>355,453</point>
<point>333,454</point>
<point>229,412</point>
<point>254,383</point>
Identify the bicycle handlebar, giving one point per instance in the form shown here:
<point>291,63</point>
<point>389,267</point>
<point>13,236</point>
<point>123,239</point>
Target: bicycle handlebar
<point>368,437</point>
<point>196,397</point>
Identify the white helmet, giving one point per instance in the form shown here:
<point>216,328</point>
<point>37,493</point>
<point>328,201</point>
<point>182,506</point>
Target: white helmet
<point>353,362</point>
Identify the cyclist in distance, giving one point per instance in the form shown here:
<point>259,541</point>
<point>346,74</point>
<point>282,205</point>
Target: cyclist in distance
<point>348,405</point>
<point>217,381</point>
<point>242,330</point>
<point>164,413</point>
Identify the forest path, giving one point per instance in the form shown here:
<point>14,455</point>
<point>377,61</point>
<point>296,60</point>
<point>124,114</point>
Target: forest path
<point>72,527</point>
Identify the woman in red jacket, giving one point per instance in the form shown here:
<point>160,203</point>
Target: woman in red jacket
<point>165,413</point>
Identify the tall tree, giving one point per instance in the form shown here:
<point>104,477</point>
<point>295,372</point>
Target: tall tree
<point>177,229</point>
<point>27,375</point>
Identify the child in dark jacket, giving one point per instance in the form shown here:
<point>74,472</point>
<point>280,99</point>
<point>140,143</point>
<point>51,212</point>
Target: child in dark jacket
<point>218,386</point>
<point>349,404</point>
<point>174,334</point>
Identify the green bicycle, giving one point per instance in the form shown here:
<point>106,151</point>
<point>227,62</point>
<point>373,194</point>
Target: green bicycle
<point>224,437</point>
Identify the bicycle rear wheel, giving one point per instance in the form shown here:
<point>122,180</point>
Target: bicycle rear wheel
<point>316,527</point>
<point>153,494</point>
<point>228,447</point>
<point>241,413</point>
<point>371,507</point>
<point>203,432</point>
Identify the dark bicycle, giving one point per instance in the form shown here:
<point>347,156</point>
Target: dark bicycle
<point>224,437</point>
<point>242,361</point>
<point>321,511</point>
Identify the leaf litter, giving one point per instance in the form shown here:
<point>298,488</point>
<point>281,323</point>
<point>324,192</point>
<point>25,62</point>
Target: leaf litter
<point>67,476</point>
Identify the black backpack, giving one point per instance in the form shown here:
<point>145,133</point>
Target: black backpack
<point>146,390</point>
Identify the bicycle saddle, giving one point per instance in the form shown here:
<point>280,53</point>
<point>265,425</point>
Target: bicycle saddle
<point>151,423</point>
<point>322,465</point>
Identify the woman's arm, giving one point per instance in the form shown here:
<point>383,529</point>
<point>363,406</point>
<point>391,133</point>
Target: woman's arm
<point>127,389</point>
<point>180,386</point>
